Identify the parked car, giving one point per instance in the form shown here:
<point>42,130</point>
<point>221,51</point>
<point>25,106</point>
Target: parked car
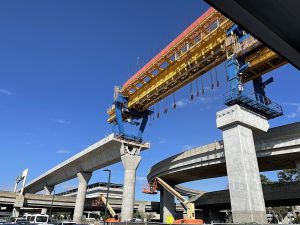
<point>19,221</point>
<point>39,218</point>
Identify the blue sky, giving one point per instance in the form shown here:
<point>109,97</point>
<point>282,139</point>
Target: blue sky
<point>59,62</point>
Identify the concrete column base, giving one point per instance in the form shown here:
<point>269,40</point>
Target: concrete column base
<point>83,179</point>
<point>47,191</point>
<point>246,196</point>
<point>130,163</point>
<point>168,207</point>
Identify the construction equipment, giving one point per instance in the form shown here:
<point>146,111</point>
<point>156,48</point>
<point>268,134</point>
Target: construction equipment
<point>211,40</point>
<point>189,206</point>
<point>102,200</point>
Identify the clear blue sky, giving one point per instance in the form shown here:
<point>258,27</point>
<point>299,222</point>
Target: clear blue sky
<point>59,62</point>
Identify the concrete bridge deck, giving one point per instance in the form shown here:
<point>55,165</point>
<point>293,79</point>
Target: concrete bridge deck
<point>279,148</point>
<point>99,155</point>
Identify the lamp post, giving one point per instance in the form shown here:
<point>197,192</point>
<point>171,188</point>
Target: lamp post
<point>107,193</point>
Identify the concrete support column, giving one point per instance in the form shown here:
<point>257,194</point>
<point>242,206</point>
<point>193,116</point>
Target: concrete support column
<point>16,212</point>
<point>168,206</point>
<point>83,179</point>
<point>47,191</point>
<point>161,206</point>
<point>19,203</point>
<point>130,163</point>
<point>142,207</point>
<point>246,196</point>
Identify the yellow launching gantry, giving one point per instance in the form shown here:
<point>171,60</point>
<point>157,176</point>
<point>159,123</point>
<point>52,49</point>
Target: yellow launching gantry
<point>211,40</point>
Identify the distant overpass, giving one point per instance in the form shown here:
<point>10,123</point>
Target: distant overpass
<point>274,195</point>
<point>278,148</point>
<point>64,203</point>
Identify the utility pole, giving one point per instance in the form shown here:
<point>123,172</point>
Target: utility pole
<point>107,193</point>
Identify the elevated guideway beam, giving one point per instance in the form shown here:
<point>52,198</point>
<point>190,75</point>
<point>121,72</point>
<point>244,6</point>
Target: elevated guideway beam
<point>99,155</point>
<point>108,151</point>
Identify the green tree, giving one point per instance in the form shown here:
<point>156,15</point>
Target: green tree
<point>265,180</point>
<point>287,176</point>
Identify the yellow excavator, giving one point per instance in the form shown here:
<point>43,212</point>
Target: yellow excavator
<point>102,200</point>
<point>189,206</point>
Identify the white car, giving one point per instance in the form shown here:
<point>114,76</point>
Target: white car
<point>39,218</point>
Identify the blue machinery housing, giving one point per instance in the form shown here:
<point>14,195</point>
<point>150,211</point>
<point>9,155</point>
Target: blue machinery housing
<point>132,116</point>
<point>256,100</point>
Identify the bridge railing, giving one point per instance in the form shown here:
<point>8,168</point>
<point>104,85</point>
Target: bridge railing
<point>253,101</point>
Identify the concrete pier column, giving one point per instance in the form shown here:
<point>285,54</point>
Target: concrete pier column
<point>142,207</point>
<point>83,179</point>
<point>168,207</point>
<point>16,212</point>
<point>19,203</point>
<point>246,196</point>
<point>47,191</point>
<point>130,163</point>
<point>161,206</point>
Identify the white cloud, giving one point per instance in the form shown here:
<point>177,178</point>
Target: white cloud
<point>162,141</point>
<point>5,92</point>
<point>291,115</point>
<point>295,112</point>
<point>62,121</point>
<point>141,178</point>
<point>197,100</point>
<point>62,151</point>
<point>182,103</point>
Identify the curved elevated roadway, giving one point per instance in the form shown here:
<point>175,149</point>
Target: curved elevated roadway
<point>278,148</point>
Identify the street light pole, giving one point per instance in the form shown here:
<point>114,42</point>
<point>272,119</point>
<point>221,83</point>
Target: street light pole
<point>107,193</point>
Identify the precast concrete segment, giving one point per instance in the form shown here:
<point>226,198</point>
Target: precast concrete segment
<point>130,163</point>
<point>246,196</point>
<point>99,155</point>
<point>83,179</point>
<point>47,191</point>
<point>276,149</point>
